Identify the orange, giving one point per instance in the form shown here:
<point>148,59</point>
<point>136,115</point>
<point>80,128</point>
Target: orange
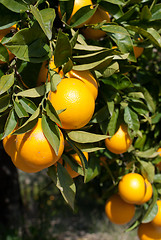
<point>77,5</point>
<point>138,51</point>
<point>3,33</point>
<point>71,172</point>
<point>9,144</point>
<point>78,102</point>
<point>148,192</point>
<point>147,231</point>
<point>119,211</point>
<point>157,219</point>
<point>120,141</point>
<point>86,77</point>
<point>132,188</point>
<point>97,17</point>
<point>43,74</point>
<point>34,151</point>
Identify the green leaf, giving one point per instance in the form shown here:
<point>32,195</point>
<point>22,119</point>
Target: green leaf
<point>66,7</point>
<point>131,118</point>
<point>98,65</point>
<point>93,168</point>
<point>63,50</point>
<point>52,114</point>
<point>152,209</point>
<point>113,123</point>
<point>10,123</point>
<point>45,18</point>
<point>100,115</point>
<point>145,14</point>
<point>55,79</point>
<point>51,132</point>
<point>15,5</point>
<point>4,102</point>
<point>30,44</point>
<point>119,82</point>
<point>150,153</point>
<point>73,164</point>
<point>64,183</point>
<point>121,37</point>
<point>8,18</point>
<point>114,9</point>
<point>111,69</point>
<point>33,92</point>
<point>6,82</point>
<point>28,105</point>
<point>25,68</point>
<point>85,137</point>
<point>81,16</point>
<point>156,12</point>
<point>149,100</point>
<point>20,111</point>
<point>68,66</point>
<point>149,33</point>
<point>4,56</point>
<point>148,170</point>
<point>157,178</point>
<point>29,124</point>
<point>117,2</point>
<point>88,147</point>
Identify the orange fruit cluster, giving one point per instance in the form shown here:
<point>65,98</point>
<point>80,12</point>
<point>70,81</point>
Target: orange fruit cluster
<point>133,190</point>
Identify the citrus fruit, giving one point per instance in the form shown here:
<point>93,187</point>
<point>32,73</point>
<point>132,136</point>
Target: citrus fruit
<point>97,17</point>
<point>78,102</point>
<point>147,231</point>
<point>148,192</point>
<point>3,33</point>
<point>86,77</point>
<point>120,141</point>
<point>75,156</point>
<point>34,151</point>
<point>43,74</point>
<point>132,188</point>
<point>157,219</point>
<point>77,5</point>
<point>119,211</point>
<point>138,51</point>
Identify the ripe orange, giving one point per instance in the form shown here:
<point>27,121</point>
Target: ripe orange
<point>148,192</point>
<point>119,211</point>
<point>97,17</point>
<point>43,74</point>
<point>132,188</point>
<point>86,77</point>
<point>33,152</point>
<point>71,172</point>
<point>147,231</point>
<point>120,141</point>
<point>157,219</point>
<point>77,5</point>
<point>78,102</point>
<point>3,33</point>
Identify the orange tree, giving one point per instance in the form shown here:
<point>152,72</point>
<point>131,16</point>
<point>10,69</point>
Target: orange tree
<point>118,44</point>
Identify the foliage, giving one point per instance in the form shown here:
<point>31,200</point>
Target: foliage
<point>129,88</point>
